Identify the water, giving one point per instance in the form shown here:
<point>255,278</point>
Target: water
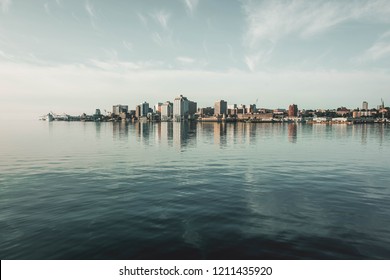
<point>194,191</point>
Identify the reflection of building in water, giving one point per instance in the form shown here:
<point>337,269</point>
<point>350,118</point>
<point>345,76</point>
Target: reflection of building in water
<point>120,130</point>
<point>158,131</point>
<point>165,133</point>
<point>220,133</point>
<point>98,127</point>
<point>364,133</point>
<point>292,132</point>
<point>143,130</point>
<point>184,133</point>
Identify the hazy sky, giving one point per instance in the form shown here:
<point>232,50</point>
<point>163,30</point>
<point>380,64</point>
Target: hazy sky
<point>74,56</point>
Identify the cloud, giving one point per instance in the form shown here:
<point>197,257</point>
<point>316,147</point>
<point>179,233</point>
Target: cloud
<point>5,4</point>
<point>269,22</point>
<point>379,50</point>
<point>143,19</point>
<point>47,8</point>
<point>185,60</point>
<point>165,39</point>
<point>156,37</point>
<point>5,55</point>
<point>128,45</point>
<point>191,6</point>
<point>272,20</point>
<point>91,13</point>
<point>162,17</point>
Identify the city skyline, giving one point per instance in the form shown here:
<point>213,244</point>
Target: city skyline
<point>73,56</point>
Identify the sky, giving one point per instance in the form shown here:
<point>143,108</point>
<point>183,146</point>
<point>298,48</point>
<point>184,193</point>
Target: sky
<point>78,55</point>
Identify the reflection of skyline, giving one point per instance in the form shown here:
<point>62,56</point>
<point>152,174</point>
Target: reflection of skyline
<point>292,132</point>
<point>182,134</point>
<point>119,130</point>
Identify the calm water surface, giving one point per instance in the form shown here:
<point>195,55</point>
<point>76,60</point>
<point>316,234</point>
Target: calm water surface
<point>194,191</point>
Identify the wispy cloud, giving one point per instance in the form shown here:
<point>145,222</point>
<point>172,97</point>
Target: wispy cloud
<point>128,45</point>
<point>269,22</point>
<point>90,9</point>
<point>143,19</point>
<point>5,4</point>
<point>191,6</point>
<point>162,17</point>
<point>47,8</point>
<point>59,3</point>
<point>185,59</point>
<point>5,55</point>
<point>156,37</point>
<point>118,66</point>
<point>272,20</point>
<point>165,39</point>
<point>378,50</point>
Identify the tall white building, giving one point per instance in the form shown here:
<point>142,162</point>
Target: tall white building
<point>365,105</point>
<point>180,108</point>
<point>166,111</point>
<point>118,109</point>
<point>220,107</point>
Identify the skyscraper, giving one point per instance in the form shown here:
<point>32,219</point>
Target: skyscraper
<point>220,107</point>
<point>144,109</point>
<point>118,109</point>
<point>180,108</point>
<point>166,110</point>
<point>293,110</point>
<point>192,108</point>
<point>365,105</point>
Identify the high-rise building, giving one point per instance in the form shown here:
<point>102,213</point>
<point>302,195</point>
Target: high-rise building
<point>220,107</point>
<point>180,108</point>
<point>138,111</point>
<point>144,109</point>
<point>251,109</point>
<point>166,110</point>
<point>293,110</point>
<point>157,107</point>
<point>118,109</point>
<point>365,105</point>
<point>192,108</point>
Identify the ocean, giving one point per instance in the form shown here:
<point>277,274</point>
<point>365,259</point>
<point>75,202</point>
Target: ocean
<point>85,190</point>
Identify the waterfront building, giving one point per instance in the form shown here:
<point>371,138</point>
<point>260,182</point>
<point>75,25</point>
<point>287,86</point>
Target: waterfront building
<point>220,108</point>
<point>365,106</point>
<point>157,107</point>
<point>293,110</point>
<point>342,111</point>
<point>192,108</point>
<point>206,112</point>
<point>166,111</point>
<point>251,109</point>
<point>118,109</point>
<point>180,108</point>
<point>144,109</point>
<point>138,111</point>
